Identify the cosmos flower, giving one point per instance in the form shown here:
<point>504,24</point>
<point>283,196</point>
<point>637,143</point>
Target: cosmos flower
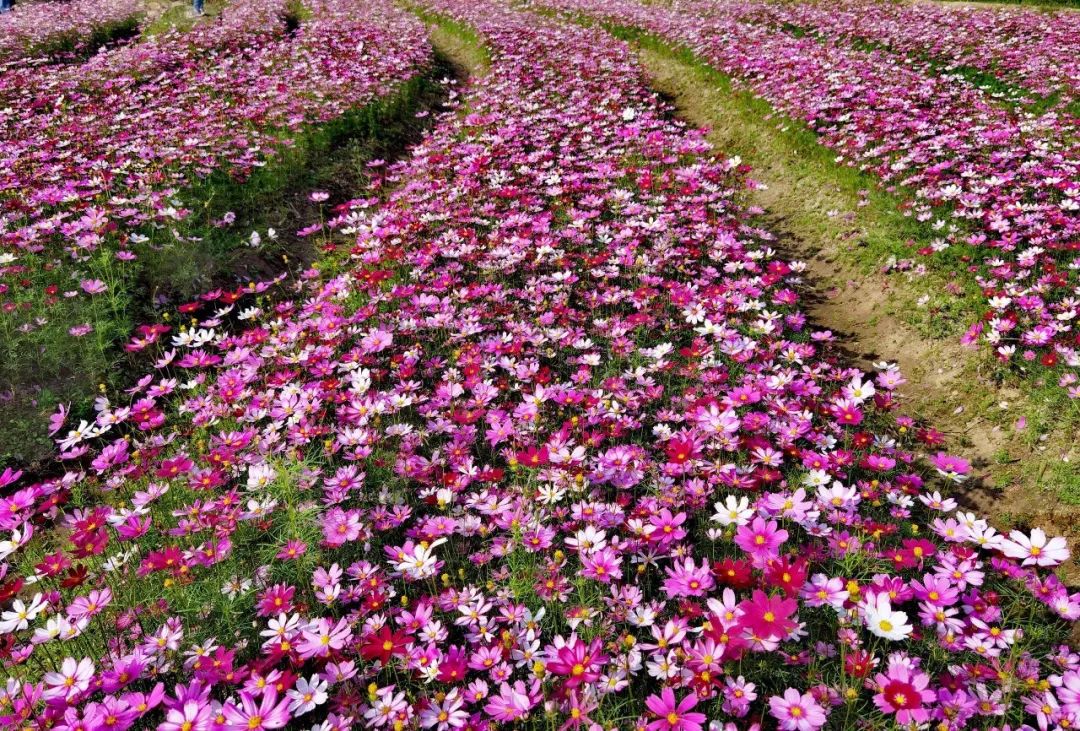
<point>577,661</point>
<point>882,620</point>
<point>795,711</point>
<point>903,691</point>
<point>1035,549</point>
<point>674,715</point>
<point>761,539</point>
<point>252,715</point>
<point>532,362</point>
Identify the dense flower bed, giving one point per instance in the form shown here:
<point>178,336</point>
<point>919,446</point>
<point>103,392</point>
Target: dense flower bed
<point>1007,185</point>
<point>1034,49</point>
<point>557,446</point>
<point>218,95</point>
<point>93,153</point>
<point>37,32</point>
<point>244,22</point>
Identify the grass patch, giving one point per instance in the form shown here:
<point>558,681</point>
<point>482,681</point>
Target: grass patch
<point>789,154</point>
<point>182,18</point>
<point>334,155</point>
<point>75,46</point>
<point>457,40</point>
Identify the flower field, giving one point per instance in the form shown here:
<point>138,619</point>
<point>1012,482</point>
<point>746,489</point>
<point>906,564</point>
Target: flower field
<point>997,184</point>
<point>36,33</point>
<point>1030,50</point>
<point>546,438</point>
<point>89,199</point>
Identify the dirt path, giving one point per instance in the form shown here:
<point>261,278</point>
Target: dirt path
<point>1023,474</point>
<point>469,59</point>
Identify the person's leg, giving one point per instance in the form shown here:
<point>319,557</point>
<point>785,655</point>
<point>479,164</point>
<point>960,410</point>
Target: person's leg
<point>5,5</point>
<point>197,6</point>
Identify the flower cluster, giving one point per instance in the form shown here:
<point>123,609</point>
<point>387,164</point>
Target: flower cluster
<point>95,153</point>
<point>49,31</point>
<point>1036,50</point>
<point>553,445</point>
<point>985,177</point>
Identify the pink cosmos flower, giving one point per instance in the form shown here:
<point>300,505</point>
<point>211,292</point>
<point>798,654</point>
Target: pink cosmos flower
<point>822,590</point>
<point>580,663</point>
<point>291,550</point>
<point>57,419</point>
<point>90,605</point>
<point>686,578</point>
<point>93,286</point>
<point>668,527</point>
<point>72,679</point>
<point>376,341</point>
<point>738,695</point>
<point>950,467</point>
<point>1068,691</point>
<point>795,711</point>
<point>761,539</point>
<point>513,701</point>
<point>252,715</point>
<point>324,637</point>
<point>604,565</point>
<point>769,616</point>
<point>191,716</point>
<point>446,715</point>
<point>672,715</point>
<point>903,690</point>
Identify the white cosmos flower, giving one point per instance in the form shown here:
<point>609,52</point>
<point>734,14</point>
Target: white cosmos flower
<point>858,391</point>
<point>17,540</point>
<point>421,564</point>
<point>549,494</point>
<point>307,695</point>
<point>733,510</point>
<point>82,432</point>
<point>53,628</point>
<point>21,614</point>
<point>260,475</point>
<point>884,621</point>
<point>1036,549</point>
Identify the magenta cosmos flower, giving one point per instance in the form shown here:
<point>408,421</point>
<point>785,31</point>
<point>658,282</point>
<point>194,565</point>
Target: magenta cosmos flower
<point>581,663</point>
<point>761,539</point>
<point>672,715</point>
<point>903,691</point>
